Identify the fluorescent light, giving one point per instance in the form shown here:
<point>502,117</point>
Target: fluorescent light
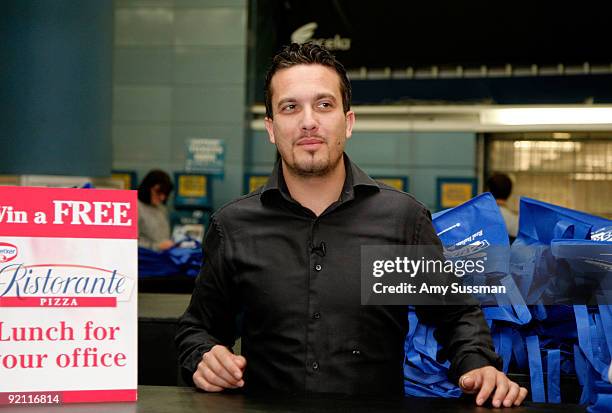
<point>547,116</point>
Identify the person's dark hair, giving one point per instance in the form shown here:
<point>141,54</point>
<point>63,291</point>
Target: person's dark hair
<point>306,54</point>
<point>500,186</point>
<point>154,177</point>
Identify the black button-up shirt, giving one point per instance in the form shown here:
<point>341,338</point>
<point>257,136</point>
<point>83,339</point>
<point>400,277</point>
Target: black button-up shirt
<point>295,277</point>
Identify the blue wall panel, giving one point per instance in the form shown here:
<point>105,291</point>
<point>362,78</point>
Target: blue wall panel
<point>55,115</point>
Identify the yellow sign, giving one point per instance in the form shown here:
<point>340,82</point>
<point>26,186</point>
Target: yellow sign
<point>125,179</point>
<point>455,193</point>
<point>255,181</point>
<point>192,186</point>
<point>396,183</point>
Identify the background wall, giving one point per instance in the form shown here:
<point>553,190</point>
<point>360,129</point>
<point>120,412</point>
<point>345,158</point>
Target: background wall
<point>416,155</point>
<point>179,73</point>
<point>170,70</point>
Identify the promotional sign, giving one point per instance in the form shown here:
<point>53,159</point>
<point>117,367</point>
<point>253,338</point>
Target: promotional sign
<point>452,192</point>
<point>68,291</point>
<point>254,181</point>
<point>127,178</point>
<point>193,191</point>
<point>398,182</point>
<point>205,156</point>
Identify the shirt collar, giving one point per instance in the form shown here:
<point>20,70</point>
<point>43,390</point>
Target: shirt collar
<point>355,181</point>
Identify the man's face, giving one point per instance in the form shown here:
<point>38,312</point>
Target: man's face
<point>309,127</point>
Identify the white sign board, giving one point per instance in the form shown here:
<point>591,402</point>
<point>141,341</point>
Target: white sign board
<point>205,156</point>
<point>68,291</point>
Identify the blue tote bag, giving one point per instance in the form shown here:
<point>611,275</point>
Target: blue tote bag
<point>185,258</point>
<point>532,263</point>
<point>559,251</point>
<point>476,223</point>
<point>541,222</point>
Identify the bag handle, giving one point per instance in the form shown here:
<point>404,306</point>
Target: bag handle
<point>535,369</point>
<point>563,229</point>
<point>605,312</point>
<point>568,230</point>
<point>518,349</point>
<point>553,370</point>
<point>583,327</point>
<point>584,375</point>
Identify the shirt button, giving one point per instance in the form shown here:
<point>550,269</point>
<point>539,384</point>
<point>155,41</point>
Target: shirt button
<point>318,267</point>
<point>316,316</point>
<point>315,365</point>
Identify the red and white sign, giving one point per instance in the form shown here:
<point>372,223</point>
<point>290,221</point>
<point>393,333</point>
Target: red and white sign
<point>68,291</point>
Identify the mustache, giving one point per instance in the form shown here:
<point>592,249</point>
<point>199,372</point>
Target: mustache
<point>311,136</point>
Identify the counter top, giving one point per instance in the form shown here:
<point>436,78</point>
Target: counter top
<point>154,399</point>
<point>162,306</point>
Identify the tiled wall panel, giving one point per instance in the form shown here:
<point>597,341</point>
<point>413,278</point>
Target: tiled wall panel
<point>179,73</point>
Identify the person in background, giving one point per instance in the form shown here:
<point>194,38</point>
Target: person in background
<point>153,222</point>
<point>500,187</point>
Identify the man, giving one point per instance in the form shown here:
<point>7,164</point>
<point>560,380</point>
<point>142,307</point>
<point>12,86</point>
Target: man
<point>500,187</point>
<point>287,257</point>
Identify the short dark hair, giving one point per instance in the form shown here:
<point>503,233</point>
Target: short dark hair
<point>500,186</point>
<point>154,177</point>
<point>306,54</point>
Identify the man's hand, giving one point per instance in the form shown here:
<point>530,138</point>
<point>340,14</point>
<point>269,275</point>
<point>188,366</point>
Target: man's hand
<point>486,379</point>
<point>219,370</point>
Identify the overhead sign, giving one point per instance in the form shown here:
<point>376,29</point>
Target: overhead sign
<point>68,291</point>
<point>401,34</point>
<point>205,156</point>
<point>306,33</point>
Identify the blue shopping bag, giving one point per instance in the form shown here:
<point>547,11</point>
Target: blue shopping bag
<point>541,222</point>
<point>473,228</point>
<point>185,258</point>
<point>424,376</point>
<point>476,220</point>
<point>588,269</point>
<point>590,263</point>
<point>532,263</point>
<point>559,252</point>
<point>592,356</point>
<point>477,227</point>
